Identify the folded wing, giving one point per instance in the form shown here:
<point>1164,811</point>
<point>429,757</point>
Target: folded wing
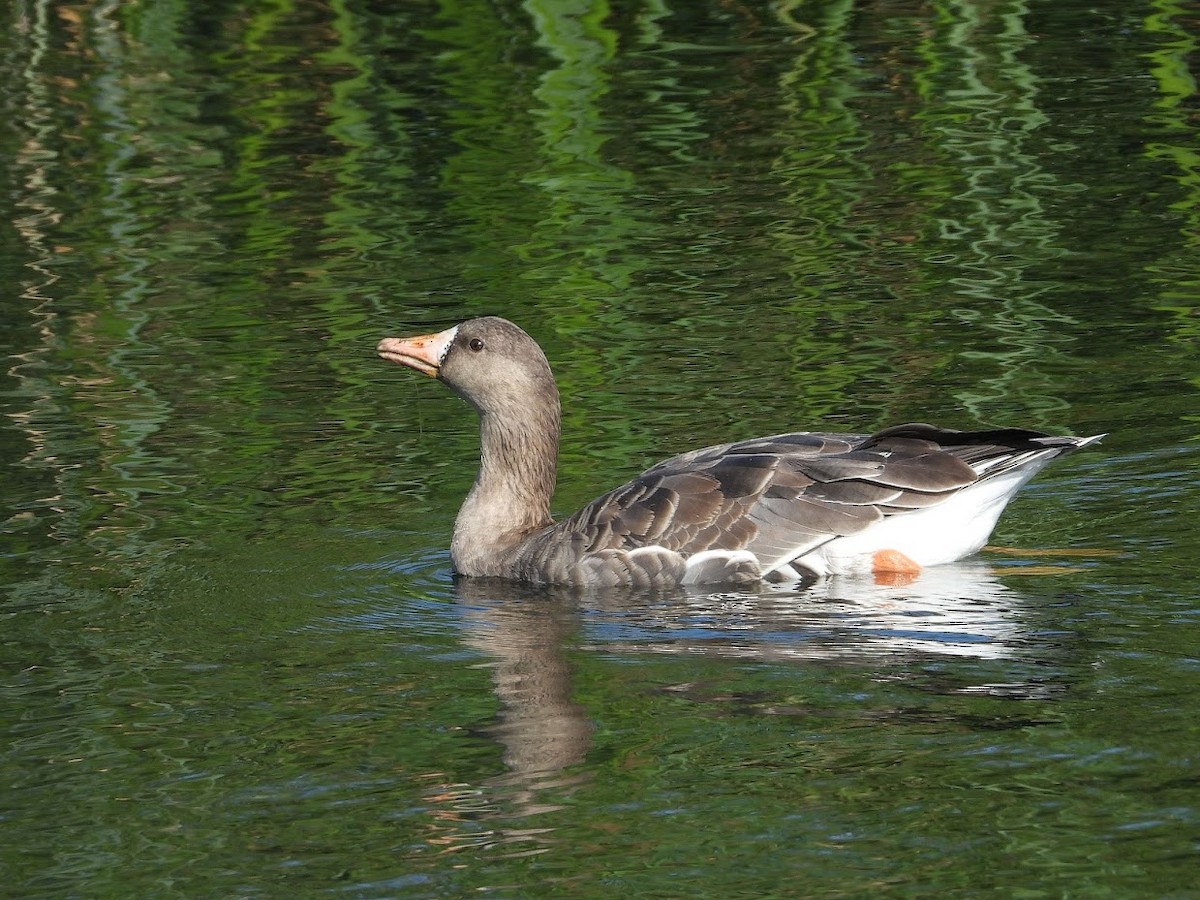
<point>781,497</point>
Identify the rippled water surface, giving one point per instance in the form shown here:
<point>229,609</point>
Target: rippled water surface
<point>235,660</point>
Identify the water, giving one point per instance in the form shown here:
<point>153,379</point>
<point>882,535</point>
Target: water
<point>236,662</point>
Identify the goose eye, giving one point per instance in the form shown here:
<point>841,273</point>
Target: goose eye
<point>475,344</point>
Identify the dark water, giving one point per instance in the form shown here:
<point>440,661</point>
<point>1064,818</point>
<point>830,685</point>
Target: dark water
<point>235,662</point>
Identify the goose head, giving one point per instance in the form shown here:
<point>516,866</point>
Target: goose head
<point>489,362</point>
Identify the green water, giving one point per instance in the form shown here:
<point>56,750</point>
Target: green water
<point>235,661</point>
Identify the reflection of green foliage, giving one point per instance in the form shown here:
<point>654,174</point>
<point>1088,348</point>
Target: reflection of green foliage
<point>1179,284</point>
<point>980,105</point>
<point>263,189</point>
<point>1179,295</point>
<point>819,165</point>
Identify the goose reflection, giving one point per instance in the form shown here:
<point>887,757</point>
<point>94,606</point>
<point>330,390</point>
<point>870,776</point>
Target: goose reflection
<point>962,609</point>
<point>959,610</point>
<point>525,631</point>
<point>528,635</point>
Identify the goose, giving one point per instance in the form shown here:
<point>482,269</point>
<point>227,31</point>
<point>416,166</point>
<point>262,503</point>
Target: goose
<point>786,507</point>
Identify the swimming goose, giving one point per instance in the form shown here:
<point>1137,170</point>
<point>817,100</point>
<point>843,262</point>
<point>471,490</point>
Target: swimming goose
<point>780,508</point>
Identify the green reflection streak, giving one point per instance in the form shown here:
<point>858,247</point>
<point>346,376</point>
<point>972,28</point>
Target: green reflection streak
<point>48,490</point>
<point>979,106</point>
<point>1176,277</point>
<point>582,252</point>
<point>131,409</point>
<point>105,395</point>
<point>575,257</point>
<point>820,166</point>
<point>370,212</point>
<point>482,172</point>
<point>667,118</point>
<point>351,222</point>
<point>263,102</point>
<point>1176,86</point>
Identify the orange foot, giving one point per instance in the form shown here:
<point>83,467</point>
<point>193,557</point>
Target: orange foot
<point>893,569</point>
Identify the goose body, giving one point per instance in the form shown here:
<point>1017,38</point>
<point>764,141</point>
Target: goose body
<point>783,507</point>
